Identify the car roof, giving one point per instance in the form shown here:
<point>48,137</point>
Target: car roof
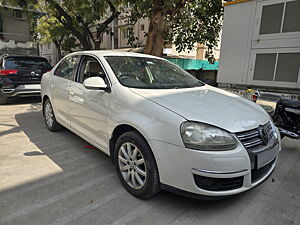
<point>114,53</point>
<point>21,56</point>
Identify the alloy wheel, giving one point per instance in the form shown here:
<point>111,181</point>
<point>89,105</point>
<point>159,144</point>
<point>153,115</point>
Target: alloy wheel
<point>132,165</point>
<point>49,114</point>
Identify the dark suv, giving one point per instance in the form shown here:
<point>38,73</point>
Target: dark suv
<point>21,76</point>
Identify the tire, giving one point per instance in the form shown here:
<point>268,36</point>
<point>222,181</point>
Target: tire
<point>148,185</point>
<point>49,117</point>
<point>3,100</point>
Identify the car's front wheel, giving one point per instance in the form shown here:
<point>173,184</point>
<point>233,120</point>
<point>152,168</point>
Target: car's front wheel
<point>49,116</point>
<point>136,166</point>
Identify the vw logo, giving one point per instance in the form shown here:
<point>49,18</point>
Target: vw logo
<point>263,134</point>
<point>34,74</point>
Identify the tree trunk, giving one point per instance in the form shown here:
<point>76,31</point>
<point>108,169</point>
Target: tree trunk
<point>97,44</point>
<point>156,35</point>
<point>58,47</point>
<point>84,42</point>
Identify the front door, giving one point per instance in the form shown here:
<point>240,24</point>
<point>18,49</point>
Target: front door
<point>88,108</point>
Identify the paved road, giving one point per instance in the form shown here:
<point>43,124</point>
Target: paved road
<point>51,178</point>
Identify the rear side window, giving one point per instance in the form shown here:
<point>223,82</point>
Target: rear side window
<point>27,62</point>
<point>67,67</point>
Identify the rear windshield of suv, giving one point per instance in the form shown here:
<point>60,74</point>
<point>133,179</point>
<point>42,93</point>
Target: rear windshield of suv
<point>27,62</point>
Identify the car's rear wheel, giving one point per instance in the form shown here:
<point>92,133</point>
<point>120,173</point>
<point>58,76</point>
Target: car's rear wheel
<point>49,116</point>
<point>136,166</point>
<point>3,100</point>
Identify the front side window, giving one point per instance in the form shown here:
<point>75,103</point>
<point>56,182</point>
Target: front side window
<point>90,67</point>
<point>67,67</point>
<point>150,73</point>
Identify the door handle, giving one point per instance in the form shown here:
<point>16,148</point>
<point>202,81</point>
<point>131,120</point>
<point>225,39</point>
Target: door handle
<point>71,93</point>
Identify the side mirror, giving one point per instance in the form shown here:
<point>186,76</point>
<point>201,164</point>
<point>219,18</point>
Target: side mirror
<point>95,83</point>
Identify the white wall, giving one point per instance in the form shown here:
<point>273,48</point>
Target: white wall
<point>235,42</point>
<point>15,29</point>
<point>137,29</point>
<point>242,41</point>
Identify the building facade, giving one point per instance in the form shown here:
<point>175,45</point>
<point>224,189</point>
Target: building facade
<point>15,36</point>
<point>261,44</point>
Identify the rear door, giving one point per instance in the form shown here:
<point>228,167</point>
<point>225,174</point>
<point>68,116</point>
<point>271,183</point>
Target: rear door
<point>25,70</point>
<point>59,88</point>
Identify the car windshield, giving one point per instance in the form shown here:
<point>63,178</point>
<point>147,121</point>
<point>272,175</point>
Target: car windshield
<point>27,62</point>
<point>150,73</point>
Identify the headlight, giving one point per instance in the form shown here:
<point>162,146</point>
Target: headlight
<point>205,137</point>
<point>274,130</point>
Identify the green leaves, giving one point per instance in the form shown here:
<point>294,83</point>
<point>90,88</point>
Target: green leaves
<point>187,21</point>
<point>87,20</point>
<point>50,29</point>
<point>182,22</point>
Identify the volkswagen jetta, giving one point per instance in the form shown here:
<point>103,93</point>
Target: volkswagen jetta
<point>162,127</point>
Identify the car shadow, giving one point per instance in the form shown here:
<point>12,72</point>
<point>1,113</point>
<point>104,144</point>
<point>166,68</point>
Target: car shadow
<point>87,186</point>
<point>24,100</point>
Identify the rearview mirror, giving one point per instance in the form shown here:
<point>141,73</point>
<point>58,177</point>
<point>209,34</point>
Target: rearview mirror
<point>95,83</point>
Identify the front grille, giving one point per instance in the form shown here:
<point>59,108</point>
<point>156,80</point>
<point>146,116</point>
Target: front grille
<point>218,184</point>
<point>254,144</point>
<point>256,174</point>
<point>251,138</point>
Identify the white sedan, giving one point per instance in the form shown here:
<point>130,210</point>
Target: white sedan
<point>163,128</point>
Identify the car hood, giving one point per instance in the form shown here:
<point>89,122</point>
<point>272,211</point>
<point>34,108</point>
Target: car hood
<point>209,105</point>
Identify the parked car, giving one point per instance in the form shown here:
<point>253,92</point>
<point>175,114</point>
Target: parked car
<point>21,76</point>
<point>162,127</point>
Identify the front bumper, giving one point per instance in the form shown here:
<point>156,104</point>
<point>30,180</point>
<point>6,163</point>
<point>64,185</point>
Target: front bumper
<point>223,173</point>
<point>22,91</point>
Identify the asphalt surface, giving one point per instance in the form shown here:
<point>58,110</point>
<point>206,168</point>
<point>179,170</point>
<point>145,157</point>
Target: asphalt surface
<point>52,178</point>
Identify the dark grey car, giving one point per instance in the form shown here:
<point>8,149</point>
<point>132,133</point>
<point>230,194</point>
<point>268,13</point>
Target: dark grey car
<point>21,76</point>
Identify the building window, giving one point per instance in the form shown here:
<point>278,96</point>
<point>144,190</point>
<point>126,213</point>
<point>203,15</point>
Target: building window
<point>264,67</point>
<point>287,67</point>
<point>280,18</point>
<point>142,27</point>
<point>126,32</point>
<point>271,19</point>
<point>18,14</point>
<point>281,67</point>
<point>291,21</point>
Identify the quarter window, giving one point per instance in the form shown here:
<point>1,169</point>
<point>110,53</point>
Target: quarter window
<point>67,67</point>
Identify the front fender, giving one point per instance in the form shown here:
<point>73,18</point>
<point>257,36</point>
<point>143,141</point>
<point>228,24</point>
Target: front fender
<point>153,121</point>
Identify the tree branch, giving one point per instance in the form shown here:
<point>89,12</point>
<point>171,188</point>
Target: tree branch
<point>68,23</point>
<point>114,14</point>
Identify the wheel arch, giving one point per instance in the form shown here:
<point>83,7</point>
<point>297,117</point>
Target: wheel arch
<point>117,132</point>
<point>44,98</point>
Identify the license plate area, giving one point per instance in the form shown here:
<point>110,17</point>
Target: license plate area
<point>32,86</point>
<point>266,156</point>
